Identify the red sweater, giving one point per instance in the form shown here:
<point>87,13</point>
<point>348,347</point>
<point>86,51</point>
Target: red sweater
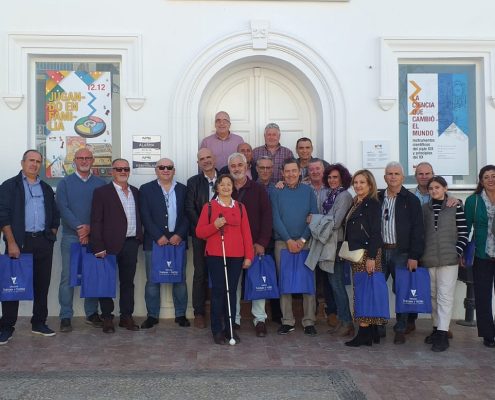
<point>237,235</point>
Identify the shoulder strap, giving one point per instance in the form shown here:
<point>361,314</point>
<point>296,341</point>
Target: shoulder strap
<point>209,212</point>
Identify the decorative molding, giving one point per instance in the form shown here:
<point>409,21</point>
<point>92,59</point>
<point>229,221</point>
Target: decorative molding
<point>22,46</point>
<point>259,33</point>
<point>13,102</point>
<point>392,50</point>
<point>136,103</point>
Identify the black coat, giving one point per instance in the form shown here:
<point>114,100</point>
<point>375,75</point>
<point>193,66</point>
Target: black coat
<point>197,195</point>
<point>409,228</point>
<point>363,228</point>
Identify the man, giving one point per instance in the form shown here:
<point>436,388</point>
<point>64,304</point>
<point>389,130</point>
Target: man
<point>199,192</point>
<point>304,149</point>
<point>29,220</point>
<point>274,150</point>
<point>259,214</point>
<point>116,229</point>
<point>74,195</point>
<point>164,219</point>
<point>222,143</point>
<point>247,150</point>
<point>291,207</point>
<point>316,168</point>
<point>402,232</point>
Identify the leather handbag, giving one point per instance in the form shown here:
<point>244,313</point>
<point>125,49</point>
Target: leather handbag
<point>354,256</point>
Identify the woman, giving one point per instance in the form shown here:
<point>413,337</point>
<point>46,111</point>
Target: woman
<point>338,180</point>
<point>363,231</point>
<point>224,216</point>
<point>480,214</point>
<point>446,237</point>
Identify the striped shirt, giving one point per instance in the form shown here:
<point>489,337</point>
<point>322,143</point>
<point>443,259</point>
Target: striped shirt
<point>460,221</point>
<point>389,234</point>
<point>278,157</point>
<point>129,206</point>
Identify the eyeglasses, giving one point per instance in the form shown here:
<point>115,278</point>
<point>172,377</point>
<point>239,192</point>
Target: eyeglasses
<point>84,158</point>
<point>386,214</point>
<point>120,169</point>
<point>265,168</point>
<point>167,167</point>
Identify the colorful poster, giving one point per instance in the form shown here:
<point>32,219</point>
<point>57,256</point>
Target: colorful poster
<point>438,122</point>
<point>77,114</point>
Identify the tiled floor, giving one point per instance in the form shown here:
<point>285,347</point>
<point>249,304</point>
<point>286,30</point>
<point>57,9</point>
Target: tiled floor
<point>385,371</point>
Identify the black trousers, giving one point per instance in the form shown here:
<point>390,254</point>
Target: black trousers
<point>126,262</point>
<point>200,276</point>
<point>42,250</point>
<point>484,281</point>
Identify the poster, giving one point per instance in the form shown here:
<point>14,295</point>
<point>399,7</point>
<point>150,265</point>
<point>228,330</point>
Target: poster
<point>437,107</point>
<point>376,153</point>
<point>146,151</point>
<point>77,114</point>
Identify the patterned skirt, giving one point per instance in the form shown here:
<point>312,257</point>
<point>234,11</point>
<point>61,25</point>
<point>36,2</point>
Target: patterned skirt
<point>361,267</point>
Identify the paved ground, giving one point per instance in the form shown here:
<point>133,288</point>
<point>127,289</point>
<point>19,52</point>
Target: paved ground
<point>171,362</point>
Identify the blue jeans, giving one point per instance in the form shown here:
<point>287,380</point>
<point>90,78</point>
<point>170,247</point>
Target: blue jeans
<point>336,281</point>
<point>65,292</point>
<point>390,259</point>
<point>152,292</point>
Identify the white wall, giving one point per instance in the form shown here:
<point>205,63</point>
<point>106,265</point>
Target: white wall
<point>174,33</point>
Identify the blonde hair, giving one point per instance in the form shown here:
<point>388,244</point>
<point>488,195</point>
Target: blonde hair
<point>370,179</point>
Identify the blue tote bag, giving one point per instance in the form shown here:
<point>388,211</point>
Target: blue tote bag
<point>412,290</point>
<point>261,279</point>
<point>370,295</point>
<point>295,276</point>
<point>75,273</point>
<point>167,263</point>
<point>16,277</point>
<point>99,276</point>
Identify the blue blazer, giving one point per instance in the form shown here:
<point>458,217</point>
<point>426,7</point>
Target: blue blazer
<point>155,216</point>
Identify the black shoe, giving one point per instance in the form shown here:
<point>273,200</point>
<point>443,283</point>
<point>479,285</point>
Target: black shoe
<point>43,330</point>
<point>219,338</point>
<point>399,338</point>
<point>94,320</point>
<point>285,329</point>
<point>310,330</point>
<point>149,323</point>
<point>375,334</point>
<point>440,342</point>
<point>6,335</point>
<point>65,325</point>
<point>489,342</point>
<point>382,330</point>
<point>431,337</point>
<point>363,337</point>
<point>236,326</point>
<point>182,321</point>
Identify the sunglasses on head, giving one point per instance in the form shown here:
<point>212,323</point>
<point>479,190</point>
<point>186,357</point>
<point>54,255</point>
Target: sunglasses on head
<point>120,169</point>
<point>167,167</point>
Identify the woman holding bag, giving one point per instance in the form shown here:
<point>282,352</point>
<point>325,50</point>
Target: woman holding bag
<point>446,237</point>
<point>480,214</point>
<point>224,220</point>
<point>363,232</point>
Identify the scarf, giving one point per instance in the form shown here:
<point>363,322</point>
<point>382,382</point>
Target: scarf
<point>332,195</point>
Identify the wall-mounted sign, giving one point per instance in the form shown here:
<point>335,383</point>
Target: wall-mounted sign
<point>146,151</point>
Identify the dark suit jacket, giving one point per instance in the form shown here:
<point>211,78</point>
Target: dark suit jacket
<point>12,209</point>
<point>155,216</point>
<point>108,220</point>
<point>364,228</point>
<point>198,191</point>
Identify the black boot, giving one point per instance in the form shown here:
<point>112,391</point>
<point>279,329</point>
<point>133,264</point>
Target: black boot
<point>440,341</point>
<point>363,337</point>
<point>430,338</point>
<point>375,334</point>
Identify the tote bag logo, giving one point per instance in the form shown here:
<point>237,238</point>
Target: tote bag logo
<point>14,280</point>
<point>169,263</point>
<point>264,279</point>
<point>413,292</point>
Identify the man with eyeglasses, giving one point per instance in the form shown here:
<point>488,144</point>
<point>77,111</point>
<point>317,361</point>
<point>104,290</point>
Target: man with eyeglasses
<point>74,195</point>
<point>162,204</point>
<point>222,142</point>
<point>29,220</point>
<point>116,229</point>
<point>200,190</point>
<point>402,233</point>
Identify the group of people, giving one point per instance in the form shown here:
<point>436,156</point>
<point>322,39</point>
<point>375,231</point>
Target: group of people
<point>246,203</point>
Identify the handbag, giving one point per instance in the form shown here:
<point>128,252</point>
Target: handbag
<point>295,276</point>
<point>167,263</point>
<point>16,277</point>
<point>371,295</point>
<point>261,279</point>
<point>99,276</point>
<point>412,290</point>
<point>354,256</point>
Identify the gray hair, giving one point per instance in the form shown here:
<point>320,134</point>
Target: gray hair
<point>263,158</point>
<point>272,125</point>
<point>394,164</point>
<point>236,155</point>
<point>424,163</point>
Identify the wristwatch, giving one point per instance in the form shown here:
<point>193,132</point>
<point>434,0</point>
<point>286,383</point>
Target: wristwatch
<point>303,240</point>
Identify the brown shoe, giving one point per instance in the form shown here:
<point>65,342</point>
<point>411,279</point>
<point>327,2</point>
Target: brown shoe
<point>348,330</point>
<point>128,323</point>
<point>108,326</point>
<point>411,326</point>
<point>199,321</point>
<point>450,335</point>
<point>260,329</point>
<point>399,338</point>
<point>332,320</point>
<point>335,328</point>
